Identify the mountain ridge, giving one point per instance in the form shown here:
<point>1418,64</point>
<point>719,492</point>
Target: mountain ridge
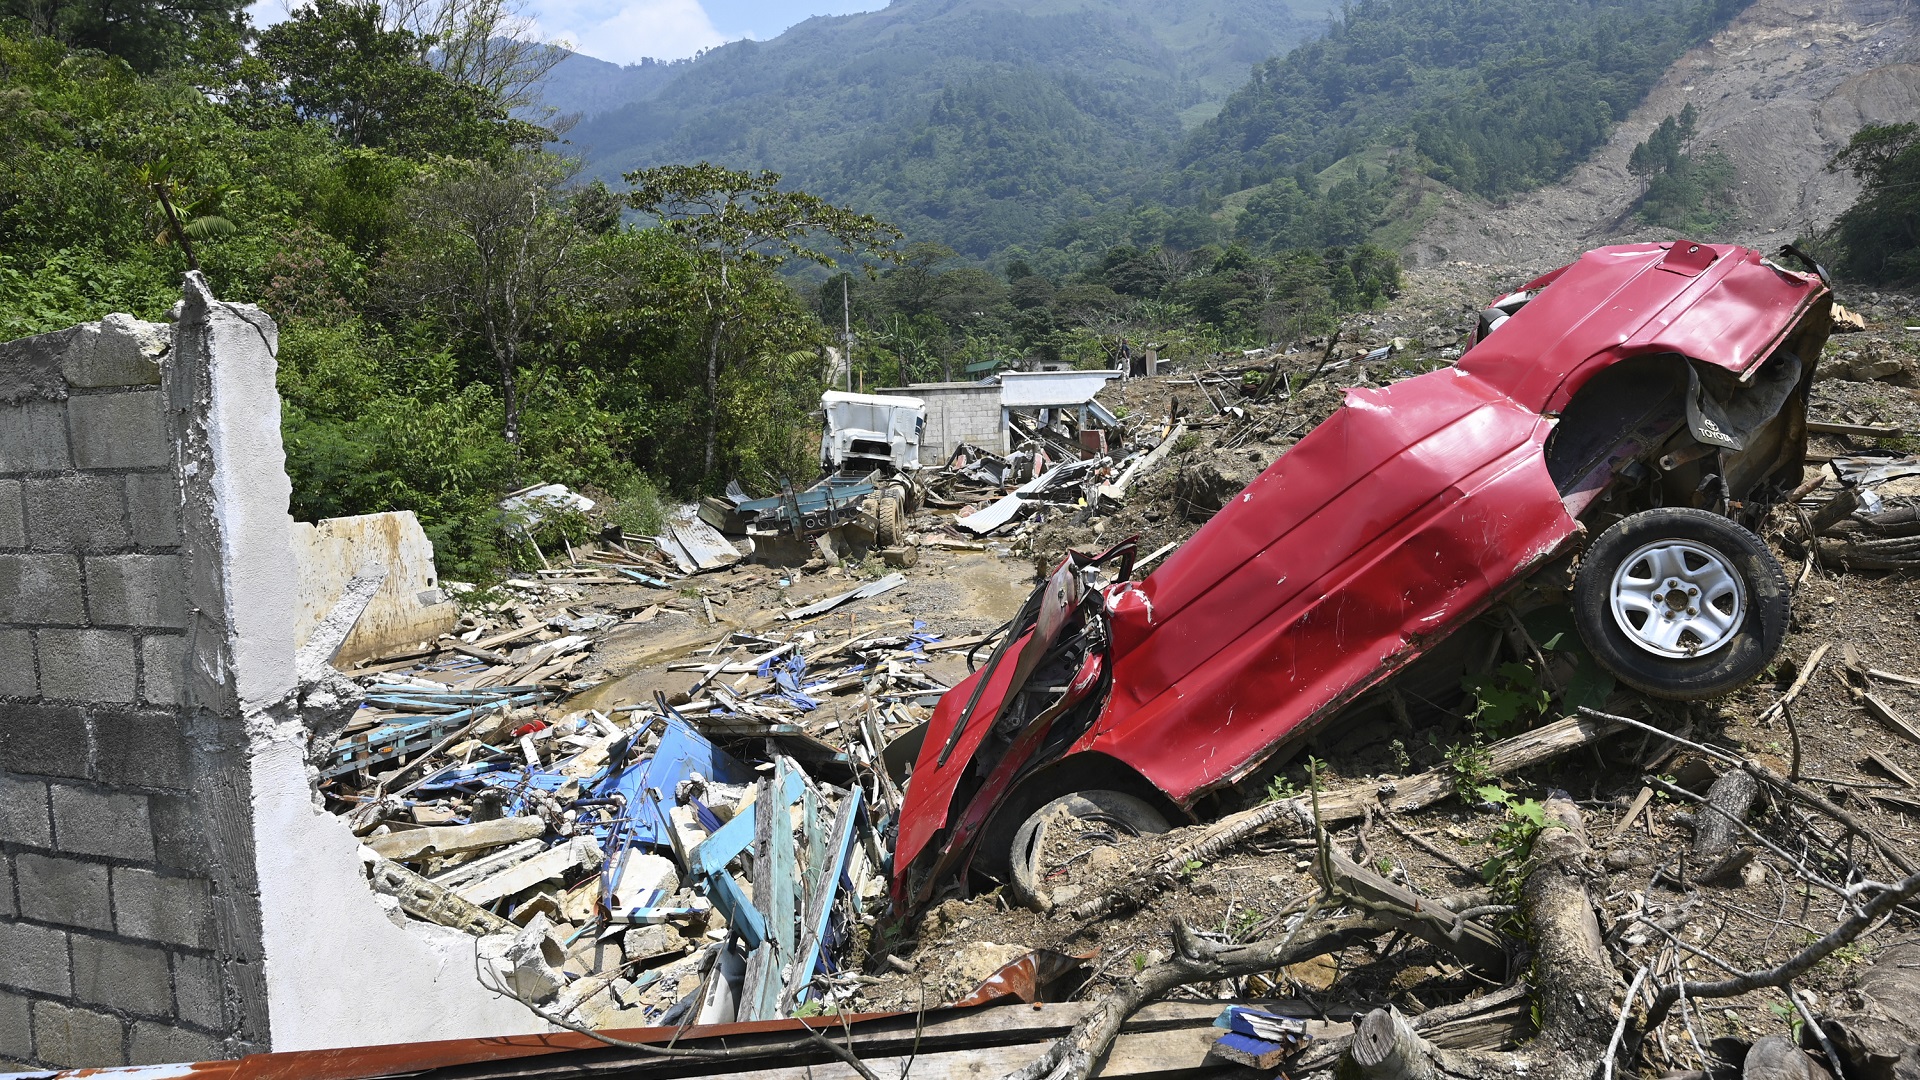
<point>953,104</point>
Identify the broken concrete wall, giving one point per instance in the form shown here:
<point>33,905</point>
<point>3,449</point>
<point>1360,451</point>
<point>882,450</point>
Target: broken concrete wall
<point>171,890</point>
<point>408,609</point>
<point>957,413</point>
<point>130,927</point>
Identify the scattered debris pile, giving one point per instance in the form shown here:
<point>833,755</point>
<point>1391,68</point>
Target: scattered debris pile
<point>707,856</point>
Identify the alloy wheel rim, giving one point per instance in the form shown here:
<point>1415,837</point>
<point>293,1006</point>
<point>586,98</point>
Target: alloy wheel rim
<point>1678,599</point>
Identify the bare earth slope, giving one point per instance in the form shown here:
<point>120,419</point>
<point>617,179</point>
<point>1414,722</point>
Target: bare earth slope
<point>1779,91</point>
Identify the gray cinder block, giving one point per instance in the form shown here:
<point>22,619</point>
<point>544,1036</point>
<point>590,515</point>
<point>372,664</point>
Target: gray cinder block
<point>33,437</point>
<point>87,665</point>
<point>116,974</point>
<point>119,350</point>
<point>17,678</point>
<point>118,431</point>
<point>13,523</point>
<point>153,504</point>
<point>24,818</point>
<point>36,958</point>
<point>111,824</point>
<point>136,590</point>
<point>76,513</point>
<point>173,910</point>
<point>79,1038</point>
<point>64,891</point>
<point>41,589</point>
<point>45,740</point>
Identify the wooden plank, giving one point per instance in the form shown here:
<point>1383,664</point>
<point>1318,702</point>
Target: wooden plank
<point>1888,676</point>
<point>1640,802</point>
<point>1469,940</point>
<point>774,879</point>
<point>1887,766</point>
<point>818,911</point>
<point>1886,715</point>
<point>1823,427</point>
<point>1168,1054</point>
<point>710,860</point>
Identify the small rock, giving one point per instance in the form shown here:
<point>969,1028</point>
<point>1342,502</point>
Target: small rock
<point>983,958</point>
<point>1105,861</point>
<point>900,558</point>
<point>647,942</point>
<point>1066,894</point>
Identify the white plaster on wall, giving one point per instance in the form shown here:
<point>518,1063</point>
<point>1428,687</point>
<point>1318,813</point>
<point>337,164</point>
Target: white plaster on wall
<point>339,971</point>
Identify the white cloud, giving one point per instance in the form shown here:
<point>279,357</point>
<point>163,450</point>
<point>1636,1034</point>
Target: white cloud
<point>623,31</point>
<point>267,12</point>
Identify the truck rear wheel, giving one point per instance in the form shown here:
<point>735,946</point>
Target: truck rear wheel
<point>892,521</point>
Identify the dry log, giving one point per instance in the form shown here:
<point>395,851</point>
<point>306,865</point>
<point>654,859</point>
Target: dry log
<point>1715,837</point>
<point>1387,1048</point>
<point>1073,1056</point>
<point>1880,1035</point>
<point>1778,783</point>
<point>1574,980</point>
<point>1835,510</point>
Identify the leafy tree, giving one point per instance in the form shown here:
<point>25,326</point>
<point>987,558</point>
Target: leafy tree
<point>491,250</point>
<point>336,62</point>
<point>150,35</point>
<point>1879,235</point>
<point>737,226</point>
<point>1662,150</point>
<point>1684,191</point>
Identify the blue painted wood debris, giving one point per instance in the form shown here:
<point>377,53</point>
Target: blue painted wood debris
<point>734,832</point>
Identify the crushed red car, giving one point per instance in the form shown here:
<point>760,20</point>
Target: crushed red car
<point>1610,428</point>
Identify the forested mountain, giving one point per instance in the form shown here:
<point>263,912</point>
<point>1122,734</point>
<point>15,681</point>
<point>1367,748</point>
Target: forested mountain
<point>580,85</point>
<point>1495,96</point>
<point>975,122</point>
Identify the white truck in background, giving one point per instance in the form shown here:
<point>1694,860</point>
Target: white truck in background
<point>869,434</point>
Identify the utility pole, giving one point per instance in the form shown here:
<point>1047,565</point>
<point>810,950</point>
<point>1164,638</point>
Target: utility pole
<point>846,330</point>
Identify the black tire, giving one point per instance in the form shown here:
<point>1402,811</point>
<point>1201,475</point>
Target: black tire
<point>1129,815</point>
<point>1740,653</point>
<point>892,523</point>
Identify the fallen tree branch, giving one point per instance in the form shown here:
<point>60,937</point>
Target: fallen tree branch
<point>1296,816</point>
<point>1798,965</point>
<point>1780,783</point>
<point>1073,1055</point>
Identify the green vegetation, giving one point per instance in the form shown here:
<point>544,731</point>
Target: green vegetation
<point>936,318</point>
<point>1879,235</point>
<point>979,125</point>
<point>1524,821</point>
<point>1688,192</point>
<point>459,315</point>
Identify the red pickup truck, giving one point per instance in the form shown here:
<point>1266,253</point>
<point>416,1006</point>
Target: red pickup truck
<point>1611,423</point>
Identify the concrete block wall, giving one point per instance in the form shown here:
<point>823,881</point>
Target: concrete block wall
<point>957,413</point>
<point>127,933</point>
<point>170,888</point>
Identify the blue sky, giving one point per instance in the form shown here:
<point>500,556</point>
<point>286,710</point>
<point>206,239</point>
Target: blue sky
<point>623,31</point>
